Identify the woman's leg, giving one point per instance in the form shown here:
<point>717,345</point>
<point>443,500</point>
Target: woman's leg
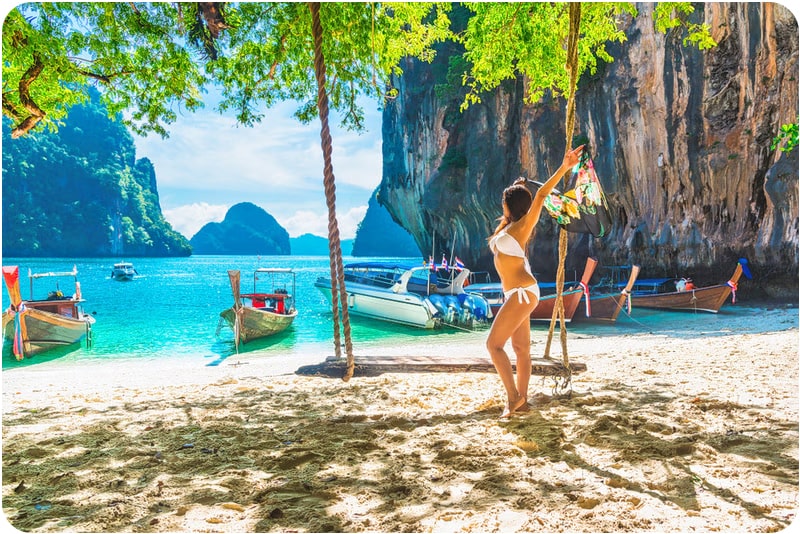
<point>521,343</point>
<point>508,320</point>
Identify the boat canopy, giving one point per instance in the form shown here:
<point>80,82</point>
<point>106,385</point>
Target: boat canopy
<point>402,266</point>
<point>73,272</point>
<point>652,281</point>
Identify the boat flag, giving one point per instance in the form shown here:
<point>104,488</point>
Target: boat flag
<point>444,263</point>
<point>433,265</point>
<point>459,264</point>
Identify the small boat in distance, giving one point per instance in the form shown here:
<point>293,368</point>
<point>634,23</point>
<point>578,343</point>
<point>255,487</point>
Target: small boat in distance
<point>34,326</point>
<point>606,307</point>
<point>265,311</point>
<point>409,294</point>
<point>123,271</point>
<point>676,294</point>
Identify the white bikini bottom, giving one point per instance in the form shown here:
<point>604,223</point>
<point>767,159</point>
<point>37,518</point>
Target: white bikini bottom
<point>522,293</point>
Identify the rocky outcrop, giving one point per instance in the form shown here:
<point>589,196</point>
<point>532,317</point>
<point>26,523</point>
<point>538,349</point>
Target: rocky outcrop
<point>246,230</point>
<point>379,235</point>
<point>680,139</point>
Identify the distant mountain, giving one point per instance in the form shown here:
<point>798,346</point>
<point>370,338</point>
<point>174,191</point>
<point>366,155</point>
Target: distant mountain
<point>246,230</point>
<point>82,192</point>
<point>379,235</point>
<point>314,245</point>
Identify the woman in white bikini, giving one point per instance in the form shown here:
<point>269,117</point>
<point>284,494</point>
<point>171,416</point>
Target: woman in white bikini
<point>521,212</point>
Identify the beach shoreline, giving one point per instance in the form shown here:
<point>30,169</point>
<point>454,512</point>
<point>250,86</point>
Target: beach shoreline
<point>693,427</point>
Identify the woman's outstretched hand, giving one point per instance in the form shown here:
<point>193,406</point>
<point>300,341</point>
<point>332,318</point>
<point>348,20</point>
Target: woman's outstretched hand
<point>572,157</point>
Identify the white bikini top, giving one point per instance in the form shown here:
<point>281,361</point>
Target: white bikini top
<point>506,243</point>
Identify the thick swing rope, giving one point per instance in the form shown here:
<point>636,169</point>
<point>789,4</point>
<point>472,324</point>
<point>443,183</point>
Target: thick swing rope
<point>558,309</point>
<point>338,293</point>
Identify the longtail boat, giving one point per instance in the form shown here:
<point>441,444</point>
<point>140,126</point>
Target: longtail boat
<point>652,293</point>
<point>570,297</point>
<point>34,326</point>
<point>260,314</point>
<point>606,307</point>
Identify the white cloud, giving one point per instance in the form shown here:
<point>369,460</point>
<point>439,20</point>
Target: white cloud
<point>209,152</point>
<point>310,222</point>
<point>188,219</point>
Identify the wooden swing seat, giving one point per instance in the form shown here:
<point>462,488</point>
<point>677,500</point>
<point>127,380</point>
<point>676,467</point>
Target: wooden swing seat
<point>376,365</point>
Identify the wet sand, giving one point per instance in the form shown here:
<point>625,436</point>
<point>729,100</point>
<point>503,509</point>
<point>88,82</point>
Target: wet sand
<point>689,429</point>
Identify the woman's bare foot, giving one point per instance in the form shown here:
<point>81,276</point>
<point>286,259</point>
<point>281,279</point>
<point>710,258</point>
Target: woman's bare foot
<point>512,408</point>
<point>524,408</point>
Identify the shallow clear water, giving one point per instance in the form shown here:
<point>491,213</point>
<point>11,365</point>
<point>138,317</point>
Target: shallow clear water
<point>172,307</point>
<point>171,310</point>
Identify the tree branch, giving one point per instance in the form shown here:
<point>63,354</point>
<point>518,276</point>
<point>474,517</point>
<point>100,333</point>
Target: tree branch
<point>35,112</point>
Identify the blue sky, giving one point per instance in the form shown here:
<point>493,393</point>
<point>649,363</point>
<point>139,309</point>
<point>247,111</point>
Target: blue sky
<point>209,163</point>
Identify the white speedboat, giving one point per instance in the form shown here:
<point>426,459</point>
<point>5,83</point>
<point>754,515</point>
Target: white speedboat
<point>123,271</point>
<point>410,295</point>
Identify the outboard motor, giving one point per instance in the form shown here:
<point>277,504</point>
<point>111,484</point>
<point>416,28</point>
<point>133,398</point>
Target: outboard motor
<point>439,303</point>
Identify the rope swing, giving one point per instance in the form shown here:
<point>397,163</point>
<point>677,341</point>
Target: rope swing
<point>563,382</point>
<point>338,293</point>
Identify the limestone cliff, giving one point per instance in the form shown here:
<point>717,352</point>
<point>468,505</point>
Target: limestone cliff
<point>680,139</point>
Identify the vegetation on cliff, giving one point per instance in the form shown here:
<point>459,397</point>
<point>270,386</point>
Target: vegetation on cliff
<point>82,192</point>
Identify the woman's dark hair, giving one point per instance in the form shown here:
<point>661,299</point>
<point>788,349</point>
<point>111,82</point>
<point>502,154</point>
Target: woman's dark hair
<point>518,199</point>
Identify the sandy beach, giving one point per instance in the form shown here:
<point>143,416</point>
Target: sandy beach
<point>679,431</point>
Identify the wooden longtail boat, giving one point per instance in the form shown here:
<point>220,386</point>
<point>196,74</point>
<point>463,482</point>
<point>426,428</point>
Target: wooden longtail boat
<point>34,326</point>
<point>606,307</point>
<point>650,294</point>
<point>570,297</point>
<point>261,314</point>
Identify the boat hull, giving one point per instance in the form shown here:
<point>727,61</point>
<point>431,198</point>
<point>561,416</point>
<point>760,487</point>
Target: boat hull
<point>604,308</point>
<point>544,310</point>
<point>257,323</point>
<point>401,308</point>
<point>46,330</point>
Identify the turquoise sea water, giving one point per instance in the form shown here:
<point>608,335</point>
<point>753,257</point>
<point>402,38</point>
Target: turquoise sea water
<point>171,310</point>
